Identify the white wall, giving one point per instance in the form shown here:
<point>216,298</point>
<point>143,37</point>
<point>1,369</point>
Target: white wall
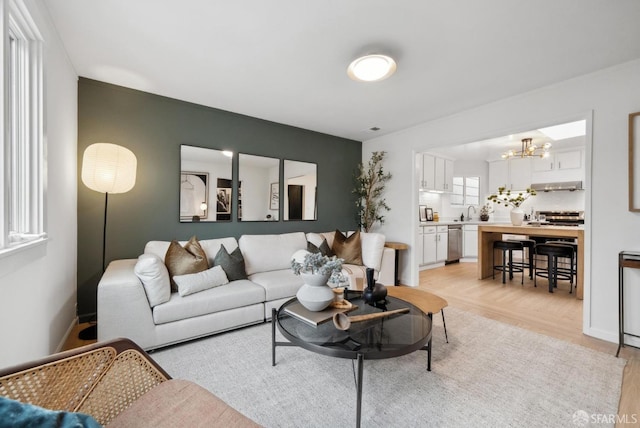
<point>38,296</point>
<point>605,98</point>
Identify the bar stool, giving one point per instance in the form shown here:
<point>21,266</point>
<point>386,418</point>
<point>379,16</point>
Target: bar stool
<point>573,261</point>
<point>530,245</point>
<point>553,252</point>
<point>507,247</point>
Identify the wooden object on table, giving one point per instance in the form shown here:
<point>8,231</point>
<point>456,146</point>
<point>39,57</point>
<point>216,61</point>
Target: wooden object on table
<point>315,318</point>
<point>397,246</point>
<point>343,321</point>
<point>487,234</point>
<point>426,301</point>
<point>631,260</point>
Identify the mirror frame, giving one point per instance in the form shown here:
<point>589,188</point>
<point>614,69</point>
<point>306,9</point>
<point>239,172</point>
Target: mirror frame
<point>285,198</point>
<point>199,169</point>
<point>269,195</point>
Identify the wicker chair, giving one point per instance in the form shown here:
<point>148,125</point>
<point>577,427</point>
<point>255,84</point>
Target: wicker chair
<point>108,380</point>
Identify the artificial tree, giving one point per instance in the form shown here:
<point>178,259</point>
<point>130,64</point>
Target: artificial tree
<point>369,187</point>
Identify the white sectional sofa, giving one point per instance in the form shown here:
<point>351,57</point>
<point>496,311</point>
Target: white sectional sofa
<point>124,309</point>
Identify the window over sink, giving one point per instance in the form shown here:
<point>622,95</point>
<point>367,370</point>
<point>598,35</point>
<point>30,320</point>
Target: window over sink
<point>466,191</point>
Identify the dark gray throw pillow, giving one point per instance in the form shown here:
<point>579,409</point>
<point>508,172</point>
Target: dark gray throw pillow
<point>232,264</point>
<point>324,248</point>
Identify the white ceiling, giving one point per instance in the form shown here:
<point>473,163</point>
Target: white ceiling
<point>286,60</point>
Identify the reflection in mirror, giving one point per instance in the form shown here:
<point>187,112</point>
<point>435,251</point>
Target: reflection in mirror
<point>258,188</point>
<point>300,190</point>
<point>205,184</point>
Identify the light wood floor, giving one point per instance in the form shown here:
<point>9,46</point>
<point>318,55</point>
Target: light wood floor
<point>533,308</point>
<point>557,314</point>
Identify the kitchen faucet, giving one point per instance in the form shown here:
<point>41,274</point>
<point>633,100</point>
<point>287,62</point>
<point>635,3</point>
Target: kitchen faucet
<point>469,215</point>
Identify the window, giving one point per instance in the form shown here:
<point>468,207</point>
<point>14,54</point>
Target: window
<point>466,191</point>
<point>22,125</point>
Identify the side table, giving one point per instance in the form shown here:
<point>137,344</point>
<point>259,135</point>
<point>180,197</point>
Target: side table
<point>626,259</point>
<point>397,246</point>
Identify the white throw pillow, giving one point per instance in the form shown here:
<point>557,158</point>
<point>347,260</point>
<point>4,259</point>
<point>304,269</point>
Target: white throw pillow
<point>153,274</point>
<point>195,282</point>
<point>299,255</point>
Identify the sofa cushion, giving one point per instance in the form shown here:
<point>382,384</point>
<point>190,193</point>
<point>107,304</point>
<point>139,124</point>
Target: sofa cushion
<point>153,274</point>
<point>278,284</point>
<point>232,264</point>
<point>210,246</point>
<point>263,253</point>
<point>184,260</point>
<point>372,249</point>
<point>323,248</point>
<point>196,282</point>
<point>349,249</point>
<point>229,296</point>
<point>178,402</point>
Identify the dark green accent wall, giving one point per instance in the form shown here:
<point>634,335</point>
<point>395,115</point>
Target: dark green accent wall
<point>154,127</point>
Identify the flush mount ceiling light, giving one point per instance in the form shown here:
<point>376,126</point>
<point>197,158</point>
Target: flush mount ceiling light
<point>371,68</point>
<point>529,150</point>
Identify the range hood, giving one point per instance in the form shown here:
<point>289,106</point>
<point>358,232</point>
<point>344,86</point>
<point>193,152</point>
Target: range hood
<point>555,187</point>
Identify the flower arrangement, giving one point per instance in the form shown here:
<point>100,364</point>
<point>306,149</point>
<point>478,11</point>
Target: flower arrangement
<point>505,197</point>
<point>485,210</point>
<point>317,263</point>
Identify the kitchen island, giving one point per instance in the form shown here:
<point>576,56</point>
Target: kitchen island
<point>488,233</point>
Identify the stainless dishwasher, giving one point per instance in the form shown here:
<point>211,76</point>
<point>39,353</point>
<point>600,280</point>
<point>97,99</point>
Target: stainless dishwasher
<point>454,251</point>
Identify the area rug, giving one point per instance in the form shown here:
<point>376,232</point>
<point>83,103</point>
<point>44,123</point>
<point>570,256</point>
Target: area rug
<point>489,374</point>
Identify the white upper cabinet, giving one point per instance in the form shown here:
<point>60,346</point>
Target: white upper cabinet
<point>443,174</point>
<point>425,166</point>
<point>512,174</point>
<point>560,166</point>
<point>434,172</point>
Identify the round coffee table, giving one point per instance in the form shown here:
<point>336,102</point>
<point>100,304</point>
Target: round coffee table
<point>386,337</point>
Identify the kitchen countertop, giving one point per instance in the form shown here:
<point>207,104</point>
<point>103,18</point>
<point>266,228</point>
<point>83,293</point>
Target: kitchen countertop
<point>494,223</point>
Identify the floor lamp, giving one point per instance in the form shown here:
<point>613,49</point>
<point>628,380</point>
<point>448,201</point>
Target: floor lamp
<point>107,168</point>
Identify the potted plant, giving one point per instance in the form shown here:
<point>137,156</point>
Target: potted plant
<point>505,197</point>
<point>315,269</point>
<point>485,210</point>
<point>369,187</point>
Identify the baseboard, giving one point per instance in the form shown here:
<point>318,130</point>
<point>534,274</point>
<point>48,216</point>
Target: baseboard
<point>67,334</point>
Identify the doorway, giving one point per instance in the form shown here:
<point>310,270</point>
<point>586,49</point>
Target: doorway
<point>295,195</point>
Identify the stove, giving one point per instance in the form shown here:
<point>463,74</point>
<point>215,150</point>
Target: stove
<point>561,218</point>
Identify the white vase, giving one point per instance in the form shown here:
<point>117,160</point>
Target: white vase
<point>315,294</point>
<point>517,216</point>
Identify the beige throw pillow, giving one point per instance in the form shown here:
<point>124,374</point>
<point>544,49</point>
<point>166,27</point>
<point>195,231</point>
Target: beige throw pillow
<point>183,261</point>
<point>349,249</point>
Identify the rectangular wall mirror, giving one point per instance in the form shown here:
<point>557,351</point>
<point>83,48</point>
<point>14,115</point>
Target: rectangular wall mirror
<point>258,188</point>
<point>300,184</point>
<point>205,184</point>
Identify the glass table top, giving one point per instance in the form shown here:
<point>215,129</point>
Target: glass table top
<point>386,337</point>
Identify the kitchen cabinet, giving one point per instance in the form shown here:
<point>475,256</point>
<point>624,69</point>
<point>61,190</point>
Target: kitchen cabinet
<point>559,166</point>
<point>443,174</point>
<point>434,172</point>
<point>425,168</point>
<point>434,244</point>
<point>512,174</point>
<point>470,240</point>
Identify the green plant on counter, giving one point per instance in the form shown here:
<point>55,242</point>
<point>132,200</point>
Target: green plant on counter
<point>506,198</point>
<point>486,209</point>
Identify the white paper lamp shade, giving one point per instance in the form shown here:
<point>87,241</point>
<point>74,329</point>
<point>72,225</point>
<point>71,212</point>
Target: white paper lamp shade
<point>109,168</point>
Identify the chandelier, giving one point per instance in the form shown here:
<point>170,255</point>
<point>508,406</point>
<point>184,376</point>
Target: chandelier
<point>529,150</point>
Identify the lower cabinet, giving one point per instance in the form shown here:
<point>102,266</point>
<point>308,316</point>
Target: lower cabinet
<point>470,240</point>
<point>434,244</point>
